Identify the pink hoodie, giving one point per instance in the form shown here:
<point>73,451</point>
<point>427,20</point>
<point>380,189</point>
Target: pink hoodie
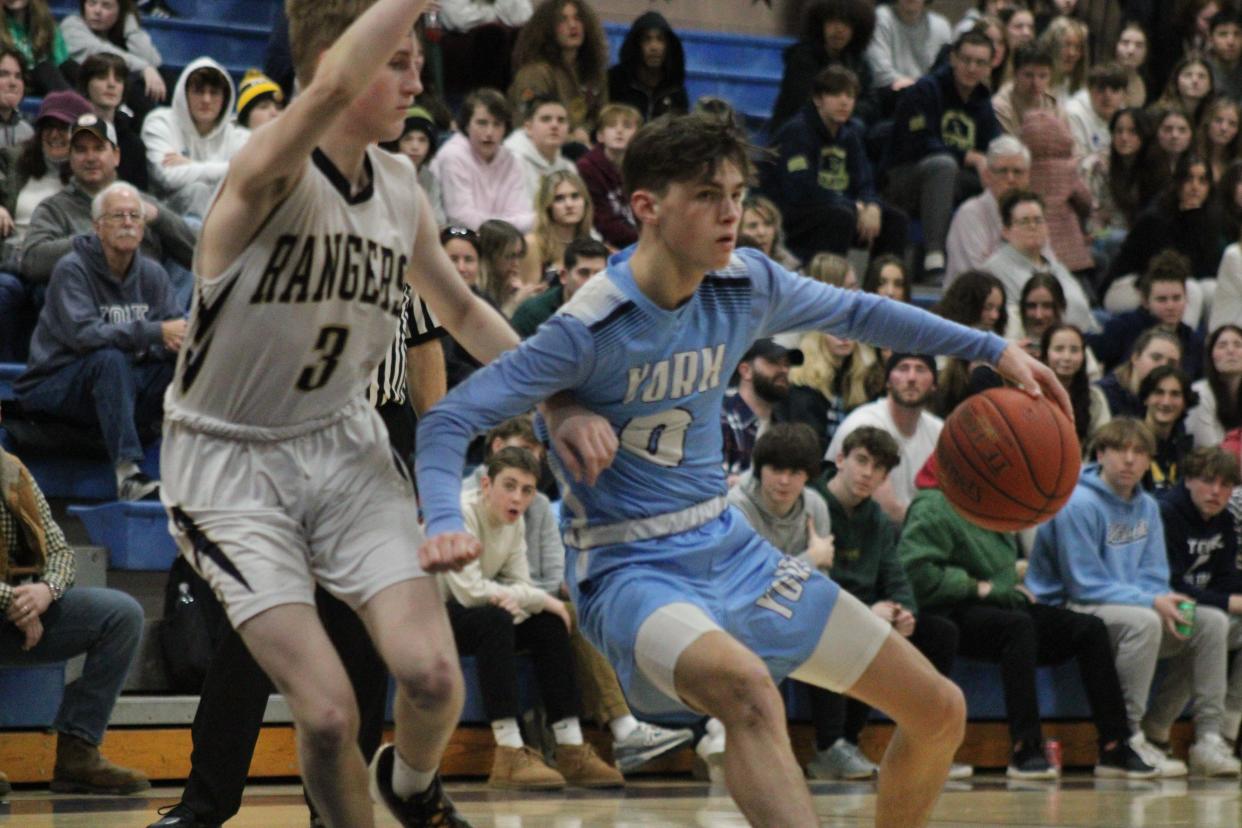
<point>475,190</point>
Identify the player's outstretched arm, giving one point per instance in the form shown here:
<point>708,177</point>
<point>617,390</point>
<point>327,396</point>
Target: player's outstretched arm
<point>475,324</point>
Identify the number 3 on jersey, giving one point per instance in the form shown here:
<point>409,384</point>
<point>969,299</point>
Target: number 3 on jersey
<point>329,345</point>
<point>659,438</point>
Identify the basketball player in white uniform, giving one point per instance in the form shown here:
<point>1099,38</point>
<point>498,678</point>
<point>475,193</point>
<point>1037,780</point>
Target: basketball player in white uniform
<point>276,472</point>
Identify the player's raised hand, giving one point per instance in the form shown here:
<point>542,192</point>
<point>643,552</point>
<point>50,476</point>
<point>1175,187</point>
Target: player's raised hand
<point>1033,377</point>
<point>584,441</point>
<point>449,551</point>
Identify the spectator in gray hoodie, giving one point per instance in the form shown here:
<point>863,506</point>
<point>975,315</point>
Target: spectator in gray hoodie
<point>775,499</point>
<point>103,349</point>
<point>538,143</point>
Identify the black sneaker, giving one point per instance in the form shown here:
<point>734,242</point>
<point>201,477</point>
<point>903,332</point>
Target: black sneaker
<point>1029,762</point>
<point>430,809</point>
<point>1122,762</point>
<point>180,816</point>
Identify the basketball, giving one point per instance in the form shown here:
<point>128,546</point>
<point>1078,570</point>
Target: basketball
<point>1007,461</point>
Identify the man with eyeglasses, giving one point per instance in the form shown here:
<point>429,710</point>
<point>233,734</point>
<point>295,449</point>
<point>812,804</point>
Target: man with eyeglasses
<point>943,124</point>
<point>103,349</point>
<point>93,160</point>
<point>975,233</point>
<point>1026,252</point>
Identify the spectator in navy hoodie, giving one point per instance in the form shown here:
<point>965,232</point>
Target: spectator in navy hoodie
<point>942,128</point>
<point>822,179</point>
<point>650,74</point>
<point>1201,541</point>
<point>102,352</point>
<point>1162,304</point>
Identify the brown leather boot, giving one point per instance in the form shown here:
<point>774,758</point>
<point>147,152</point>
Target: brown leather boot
<point>5,787</point>
<point>80,769</point>
<point>522,769</point>
<point>582,766</point>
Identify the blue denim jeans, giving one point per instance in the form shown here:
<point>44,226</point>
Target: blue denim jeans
<point>19,310</point>
<point>105,389</point>
<point>106,624</point>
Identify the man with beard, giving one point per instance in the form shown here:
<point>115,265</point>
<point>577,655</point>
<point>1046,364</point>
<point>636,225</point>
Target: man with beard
<point>763,382</point>
<point>911,383</point>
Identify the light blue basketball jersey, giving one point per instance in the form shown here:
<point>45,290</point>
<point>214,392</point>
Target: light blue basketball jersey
<point>658,376</point>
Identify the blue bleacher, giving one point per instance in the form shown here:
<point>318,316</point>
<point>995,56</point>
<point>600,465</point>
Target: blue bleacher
<point>135,534</point>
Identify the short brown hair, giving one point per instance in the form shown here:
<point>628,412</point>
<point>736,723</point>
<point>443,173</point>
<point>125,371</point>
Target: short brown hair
<point>788,446</point>
<point>521,427</point>
<point>495,103</point>
<point>875,441</point>
<point>682,148</point>
<point>512,457</point>
<point>1107,76</point>
<point>1210,463</point>
<point>1122,433</point>
<point>314,25</point>
<point>835,79</point>
<point>1166,266</point>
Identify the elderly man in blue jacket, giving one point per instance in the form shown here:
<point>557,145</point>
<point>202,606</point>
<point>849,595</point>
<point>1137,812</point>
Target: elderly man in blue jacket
<point>822,179</point>
<point>102,351</point>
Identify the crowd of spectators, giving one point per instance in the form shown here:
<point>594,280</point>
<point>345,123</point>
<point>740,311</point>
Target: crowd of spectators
<point>1058,174</point>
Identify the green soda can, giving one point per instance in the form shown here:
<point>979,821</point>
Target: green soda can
<point>1187,609</point>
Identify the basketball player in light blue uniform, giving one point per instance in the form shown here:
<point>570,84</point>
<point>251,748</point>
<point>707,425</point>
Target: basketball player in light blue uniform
<point>692,607</point>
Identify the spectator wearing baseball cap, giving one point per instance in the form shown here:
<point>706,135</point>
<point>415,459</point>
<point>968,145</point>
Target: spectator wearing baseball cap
<point>910,380</point>
<point>762,385</point>
<point>93,161</point>
<point>32,175</point>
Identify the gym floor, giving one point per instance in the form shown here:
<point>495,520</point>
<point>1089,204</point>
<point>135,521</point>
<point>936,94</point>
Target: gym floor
<point>988,800</point>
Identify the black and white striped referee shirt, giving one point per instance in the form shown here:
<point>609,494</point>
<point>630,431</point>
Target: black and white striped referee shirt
<point>418,325</point>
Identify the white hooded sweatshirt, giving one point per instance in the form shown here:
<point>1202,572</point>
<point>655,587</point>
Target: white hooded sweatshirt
<point>171,129</point>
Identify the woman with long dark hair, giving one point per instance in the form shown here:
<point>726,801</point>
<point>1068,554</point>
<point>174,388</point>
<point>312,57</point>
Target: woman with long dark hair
<point>1119,181</point>
<point>975,299</point>
<point>833,32</point>
<point>1063,348</point>
<point>1185,219</point>
<point>1220,391</point>
<point>1166,395</point>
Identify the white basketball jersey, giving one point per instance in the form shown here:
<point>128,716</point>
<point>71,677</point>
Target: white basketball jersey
<point>291,332</point>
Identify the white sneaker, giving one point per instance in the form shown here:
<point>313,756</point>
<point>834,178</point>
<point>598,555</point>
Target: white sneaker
<point>841,761</point>
<point>646,742</point>
<point>1157,758</point>
<point>959,771</point>
<point>1210,756</point>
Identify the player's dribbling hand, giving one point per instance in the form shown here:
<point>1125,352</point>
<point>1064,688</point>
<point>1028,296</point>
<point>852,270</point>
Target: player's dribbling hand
<point>449,551</point>
<point>1033,377</point>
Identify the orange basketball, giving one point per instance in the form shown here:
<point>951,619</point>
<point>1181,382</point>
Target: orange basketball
<point>1006,460</point>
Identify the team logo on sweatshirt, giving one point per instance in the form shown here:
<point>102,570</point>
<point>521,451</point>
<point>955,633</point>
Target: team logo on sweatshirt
<point>1120,534</point>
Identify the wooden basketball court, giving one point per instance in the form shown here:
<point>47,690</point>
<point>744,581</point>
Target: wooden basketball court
<point>987,800</point>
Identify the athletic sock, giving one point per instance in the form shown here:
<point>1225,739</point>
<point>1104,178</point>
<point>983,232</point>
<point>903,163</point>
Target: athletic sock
<point>507,733</point>
<point>622,726</point>
<point>567,731</point>
<point>407,781</point>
